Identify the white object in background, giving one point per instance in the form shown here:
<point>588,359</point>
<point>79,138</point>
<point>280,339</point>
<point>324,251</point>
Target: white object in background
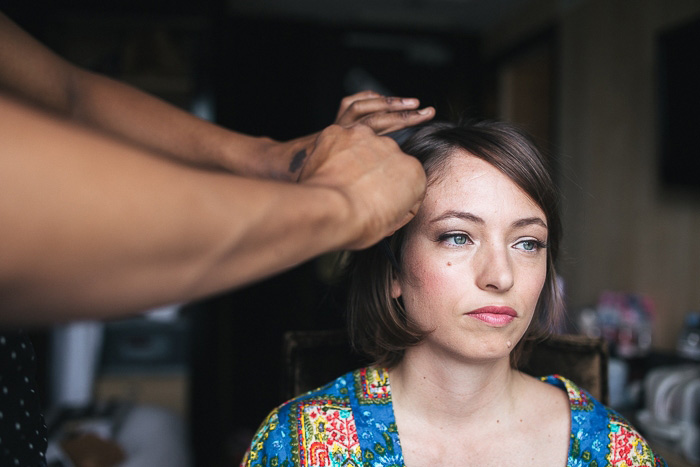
<point>153,436</point>
<point>617,382</point>
<point>672,409</point>
<point>165,314</point>
<point>75,354</point>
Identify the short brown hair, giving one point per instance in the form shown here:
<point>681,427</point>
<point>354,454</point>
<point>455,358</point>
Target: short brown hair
<point>378,324</point>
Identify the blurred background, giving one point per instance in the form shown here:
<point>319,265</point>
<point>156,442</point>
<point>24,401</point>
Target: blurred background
<point>609,88</point>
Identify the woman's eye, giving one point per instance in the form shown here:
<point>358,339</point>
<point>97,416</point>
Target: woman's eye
<point>530,245</point>
<point>460,239</point>
<point>455,239</point>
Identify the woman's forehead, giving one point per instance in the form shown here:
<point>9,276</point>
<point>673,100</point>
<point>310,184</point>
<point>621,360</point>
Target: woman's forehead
<point>466,181</point>
<point>460,171</point>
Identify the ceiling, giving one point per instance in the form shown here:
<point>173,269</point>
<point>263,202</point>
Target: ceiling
<point>467,16</point>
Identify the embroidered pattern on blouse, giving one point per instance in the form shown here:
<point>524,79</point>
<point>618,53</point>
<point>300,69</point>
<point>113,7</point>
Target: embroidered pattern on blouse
<point>626,447</point>
<point>326,433</point>
<point>372,386</point>
<point>256,455</point>
<point>579,399</point>
<point>383,454</point>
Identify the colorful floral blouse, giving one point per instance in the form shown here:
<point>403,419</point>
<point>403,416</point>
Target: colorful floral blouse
<point>350,422</point>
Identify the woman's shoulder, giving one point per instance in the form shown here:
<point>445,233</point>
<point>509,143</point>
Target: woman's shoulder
<point>587,412</point>
<point>579,398</point>
<point>369,385</point>
<point>593,425</point>
<point>290,430</point>
<point>363,386</point>
<point>334,393</point>
<point>368,382</point>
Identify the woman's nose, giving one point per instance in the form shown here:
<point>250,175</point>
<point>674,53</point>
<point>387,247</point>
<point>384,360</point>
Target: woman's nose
<point>494,270</point>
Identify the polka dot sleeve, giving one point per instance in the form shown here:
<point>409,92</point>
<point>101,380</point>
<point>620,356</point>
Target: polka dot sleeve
<point>22,428</point>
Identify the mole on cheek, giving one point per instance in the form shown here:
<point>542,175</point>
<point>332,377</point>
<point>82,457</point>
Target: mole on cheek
<point>449,264</point>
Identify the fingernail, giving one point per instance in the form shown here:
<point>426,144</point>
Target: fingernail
<point>424,111</point>
<point>409,101</point>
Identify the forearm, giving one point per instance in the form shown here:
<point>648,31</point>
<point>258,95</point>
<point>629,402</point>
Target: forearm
<point>31,71</point>
<point>156,125</point>
<point>95,228</point>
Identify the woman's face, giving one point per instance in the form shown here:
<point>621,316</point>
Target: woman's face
<point>474,262</point>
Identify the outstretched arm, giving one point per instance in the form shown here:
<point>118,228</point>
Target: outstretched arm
<point>92,227</point>
<point>30,70</point>
<point>94,222</point>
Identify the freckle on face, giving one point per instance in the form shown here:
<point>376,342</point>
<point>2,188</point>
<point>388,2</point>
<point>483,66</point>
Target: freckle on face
<point>449,264</point>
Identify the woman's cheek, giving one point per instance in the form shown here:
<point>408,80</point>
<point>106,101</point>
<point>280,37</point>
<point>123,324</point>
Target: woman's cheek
<point>429,282</point>
<point>535,282</point>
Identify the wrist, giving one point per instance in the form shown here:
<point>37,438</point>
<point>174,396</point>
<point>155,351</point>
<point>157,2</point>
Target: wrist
<point>245,155</point>
<point>338,224</point>
<point>265,158</point>
<point>294,154</point>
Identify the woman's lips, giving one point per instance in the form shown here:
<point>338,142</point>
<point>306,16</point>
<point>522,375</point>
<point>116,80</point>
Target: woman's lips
<point>494,315</point>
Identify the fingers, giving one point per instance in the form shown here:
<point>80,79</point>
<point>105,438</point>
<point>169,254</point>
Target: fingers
<point>383,123</point>
<point>360,108</point>
<point>382,114</point>
<point>349,100</point>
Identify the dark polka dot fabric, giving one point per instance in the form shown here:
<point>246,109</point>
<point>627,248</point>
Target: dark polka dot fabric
<point>22,428</point>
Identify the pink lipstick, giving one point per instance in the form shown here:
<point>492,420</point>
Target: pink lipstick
<point>496,316</point>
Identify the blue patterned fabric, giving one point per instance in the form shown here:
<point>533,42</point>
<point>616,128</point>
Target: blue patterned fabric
<point>350,422</point>
<point>599,435</point>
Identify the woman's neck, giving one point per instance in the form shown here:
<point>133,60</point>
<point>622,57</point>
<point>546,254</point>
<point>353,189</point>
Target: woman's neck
<point>450,392</point>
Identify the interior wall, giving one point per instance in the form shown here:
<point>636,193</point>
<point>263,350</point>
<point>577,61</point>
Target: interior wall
<point>623,231</point>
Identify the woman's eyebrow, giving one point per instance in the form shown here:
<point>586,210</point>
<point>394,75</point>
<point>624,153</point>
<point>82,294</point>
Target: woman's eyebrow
<point>467,216</point>
<point>529,221</point>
